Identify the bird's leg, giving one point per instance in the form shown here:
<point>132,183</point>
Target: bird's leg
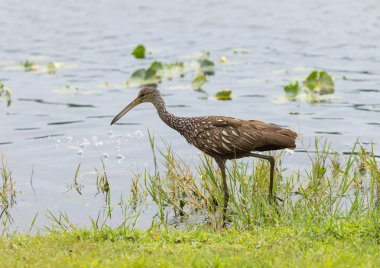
<point>222,166</point>
<point>272,162</point>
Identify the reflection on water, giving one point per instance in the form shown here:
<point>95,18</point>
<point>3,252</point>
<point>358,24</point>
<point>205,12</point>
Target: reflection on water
<point>26,128</point>
<point>70,105</point>
<point>65,122</point>
<point>328,132</point>
<point>258,38</point>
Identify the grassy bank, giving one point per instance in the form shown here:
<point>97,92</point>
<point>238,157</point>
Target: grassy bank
<point>325,216</point>
<point>349,244</point>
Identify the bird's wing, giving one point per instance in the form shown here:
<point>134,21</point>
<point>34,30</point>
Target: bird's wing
<point>226,135</point>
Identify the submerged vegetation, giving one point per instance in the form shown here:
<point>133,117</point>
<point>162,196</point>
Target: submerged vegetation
<point>317,86</point>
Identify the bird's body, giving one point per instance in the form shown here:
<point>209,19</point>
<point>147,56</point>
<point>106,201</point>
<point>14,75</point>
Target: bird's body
<point>231,138</point>
<point>221,137</point>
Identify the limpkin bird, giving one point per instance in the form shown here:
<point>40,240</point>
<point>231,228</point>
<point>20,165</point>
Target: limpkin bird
<point>220,137</point>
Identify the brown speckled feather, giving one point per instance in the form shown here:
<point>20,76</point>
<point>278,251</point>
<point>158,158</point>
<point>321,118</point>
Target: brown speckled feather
<point>228,138</point>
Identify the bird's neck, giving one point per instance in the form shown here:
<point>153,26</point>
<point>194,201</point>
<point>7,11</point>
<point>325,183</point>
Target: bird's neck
<point>169,119</point>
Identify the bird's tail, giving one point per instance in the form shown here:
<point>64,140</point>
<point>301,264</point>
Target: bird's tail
<point>281,138</point>
<point>288,137</point>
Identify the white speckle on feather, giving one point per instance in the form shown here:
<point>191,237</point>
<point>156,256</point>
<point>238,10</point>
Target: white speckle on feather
<point>226,147</point>
<point>225,140</point>
<point>215,150</point>
<point>245,133</point>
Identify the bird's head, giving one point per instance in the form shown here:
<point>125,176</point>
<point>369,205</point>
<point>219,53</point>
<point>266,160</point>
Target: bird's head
<point>146,94</point>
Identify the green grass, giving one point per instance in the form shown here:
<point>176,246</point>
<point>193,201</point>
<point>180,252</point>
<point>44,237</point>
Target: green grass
<point>329,217</point>
<point>350,244</point>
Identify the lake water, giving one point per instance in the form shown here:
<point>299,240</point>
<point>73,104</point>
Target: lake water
<point>46,133</point>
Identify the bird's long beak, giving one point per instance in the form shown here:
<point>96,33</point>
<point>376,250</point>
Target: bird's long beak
<point>130,106</point>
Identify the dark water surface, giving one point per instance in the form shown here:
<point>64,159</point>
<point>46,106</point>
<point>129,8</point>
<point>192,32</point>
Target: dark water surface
<point>48,133</point>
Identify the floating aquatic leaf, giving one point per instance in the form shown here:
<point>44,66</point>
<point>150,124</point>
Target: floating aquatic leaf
<point>172,70</point>
<point>320,83</point>
<point>29,66</point>
<point>157,67</point>
<point>317,87</point>
<point>292,90</point>
<point>198,81</point>
<point>224,94</point>
<point>158,71</point>
<point>242,50</point>
<point>143,77</point>
<point>155,73</point>
<point>51,68</point>
<point>207,66</point>
<point>139,52</point>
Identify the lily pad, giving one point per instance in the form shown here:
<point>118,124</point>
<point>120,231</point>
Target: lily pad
<point>206,66</point>
<point>146,76</point>
<point>317,87</point>
<point>51,68</point>
<point>158,71</point>
<point>198,81</point>
<point>155,73</point>
<point>292,90</point>
<point>172,70</point>
<point>224,94</point>
<point>320,83</point>
<point>139,52</point>
<point>143,77</point>
<point>29,66</point>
